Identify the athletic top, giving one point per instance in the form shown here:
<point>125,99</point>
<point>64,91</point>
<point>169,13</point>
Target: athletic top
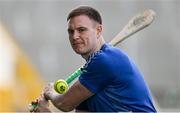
<point>117,84</point>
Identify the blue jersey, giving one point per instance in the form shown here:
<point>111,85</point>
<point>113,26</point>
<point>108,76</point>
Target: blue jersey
<point>117,84</point>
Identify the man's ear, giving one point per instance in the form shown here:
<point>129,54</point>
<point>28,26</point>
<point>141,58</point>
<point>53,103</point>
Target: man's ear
<point>99,30</point>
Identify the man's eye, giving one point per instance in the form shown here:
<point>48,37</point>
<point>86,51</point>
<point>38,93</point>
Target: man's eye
<point>70,31</point>
<point>81,30</point>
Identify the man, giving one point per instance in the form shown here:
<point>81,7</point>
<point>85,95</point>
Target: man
<point>110,81</point>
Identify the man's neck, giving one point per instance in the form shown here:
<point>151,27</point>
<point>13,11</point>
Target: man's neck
<point>101,42</point>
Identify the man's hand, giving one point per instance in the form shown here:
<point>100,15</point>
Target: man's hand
<point>50,94</point>
<point>40,105</point>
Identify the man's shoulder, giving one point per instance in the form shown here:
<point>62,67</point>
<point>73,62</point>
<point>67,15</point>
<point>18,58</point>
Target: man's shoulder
<point>106,57</point>
<point>110,52</point>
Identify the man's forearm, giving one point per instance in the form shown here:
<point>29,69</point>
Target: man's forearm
<point>59,102</point>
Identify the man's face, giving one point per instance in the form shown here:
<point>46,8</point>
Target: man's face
<point>83,34</point>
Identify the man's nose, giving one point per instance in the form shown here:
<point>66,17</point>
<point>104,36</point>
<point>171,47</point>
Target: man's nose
<point>75,35</point>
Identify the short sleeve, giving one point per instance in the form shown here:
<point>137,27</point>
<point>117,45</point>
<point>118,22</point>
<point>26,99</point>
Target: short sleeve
<point>96,74</point>
<point>82,106</point>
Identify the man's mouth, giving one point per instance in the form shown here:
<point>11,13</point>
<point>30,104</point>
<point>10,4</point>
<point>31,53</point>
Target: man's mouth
<point>77,43</point>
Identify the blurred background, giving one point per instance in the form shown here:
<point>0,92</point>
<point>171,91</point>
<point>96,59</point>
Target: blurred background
<point>35,50</point>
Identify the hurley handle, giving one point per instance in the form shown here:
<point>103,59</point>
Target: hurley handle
<point>74,76</point>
